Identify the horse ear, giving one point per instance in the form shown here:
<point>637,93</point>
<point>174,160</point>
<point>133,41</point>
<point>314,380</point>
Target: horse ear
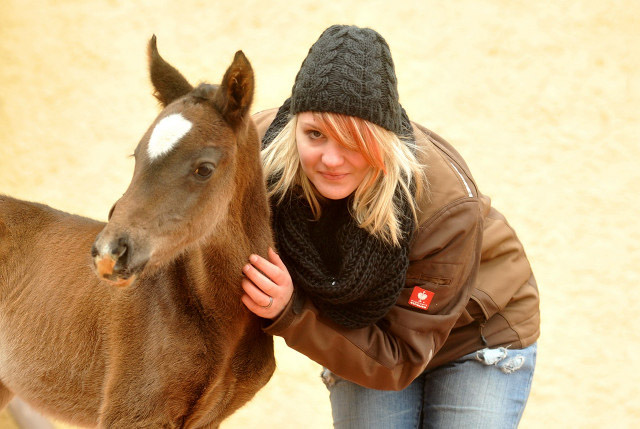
<point>235,94</point>
<point>167,82</point>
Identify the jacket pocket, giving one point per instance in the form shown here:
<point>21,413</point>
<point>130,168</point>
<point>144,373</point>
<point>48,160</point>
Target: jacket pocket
<point>473,312</point>
<point>464,319</point>
<point>436,273</point>
<point>435,279</point>
<point>485,303</point>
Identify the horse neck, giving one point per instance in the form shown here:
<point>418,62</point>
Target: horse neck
<point>213,270</point>
<point>213,278</point>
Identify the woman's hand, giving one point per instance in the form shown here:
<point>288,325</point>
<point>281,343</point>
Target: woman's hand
<point>267,285</point>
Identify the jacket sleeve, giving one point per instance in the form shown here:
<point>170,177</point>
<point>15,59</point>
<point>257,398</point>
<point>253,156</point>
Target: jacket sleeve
<point>390,354</point>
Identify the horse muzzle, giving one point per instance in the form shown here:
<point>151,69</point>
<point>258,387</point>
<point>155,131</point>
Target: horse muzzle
<point>112,261</point>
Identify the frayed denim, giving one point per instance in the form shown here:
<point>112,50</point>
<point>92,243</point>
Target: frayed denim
<point>485,389</point>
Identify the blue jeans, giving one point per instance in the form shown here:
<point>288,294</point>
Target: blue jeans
<point>485,389</point>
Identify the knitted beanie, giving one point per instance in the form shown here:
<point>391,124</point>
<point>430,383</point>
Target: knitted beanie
<point>349,70</point>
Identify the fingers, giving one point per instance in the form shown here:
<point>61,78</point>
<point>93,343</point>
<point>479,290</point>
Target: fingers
<point>267,313</point>
<point>262,304</point>
<point>256,295</point>
<point>262,281</point>
<point>267,285</point>
<point>274,269</point>
<point>275,259</point>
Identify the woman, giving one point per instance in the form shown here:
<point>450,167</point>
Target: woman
<point>393,272</point>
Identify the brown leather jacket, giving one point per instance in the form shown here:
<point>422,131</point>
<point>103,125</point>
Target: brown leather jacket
<point>467,267</point>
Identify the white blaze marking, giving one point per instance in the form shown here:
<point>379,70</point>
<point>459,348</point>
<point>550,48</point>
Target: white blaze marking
<point>166,134</point>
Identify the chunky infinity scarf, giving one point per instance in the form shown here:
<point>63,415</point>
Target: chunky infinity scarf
<point>370,275</point>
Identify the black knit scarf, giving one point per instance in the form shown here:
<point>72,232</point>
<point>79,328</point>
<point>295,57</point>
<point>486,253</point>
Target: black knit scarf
<point>356,286</point>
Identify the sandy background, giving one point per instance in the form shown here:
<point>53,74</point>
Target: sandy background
<point>542,99</point>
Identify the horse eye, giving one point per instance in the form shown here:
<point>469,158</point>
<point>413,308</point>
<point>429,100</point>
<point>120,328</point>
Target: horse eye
<point>204,171</point>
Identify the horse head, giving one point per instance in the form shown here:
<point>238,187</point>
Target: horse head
<point>185,171</point>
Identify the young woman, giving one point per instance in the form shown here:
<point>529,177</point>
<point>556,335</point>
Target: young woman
<point>393,271</point>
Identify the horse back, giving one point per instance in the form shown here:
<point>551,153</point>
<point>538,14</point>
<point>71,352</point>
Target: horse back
<point>40,237</point>
<point>50,315</point>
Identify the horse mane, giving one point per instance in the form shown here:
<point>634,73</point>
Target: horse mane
<point>204,91</point>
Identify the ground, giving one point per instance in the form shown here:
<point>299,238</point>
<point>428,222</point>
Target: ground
<point>541,98</point>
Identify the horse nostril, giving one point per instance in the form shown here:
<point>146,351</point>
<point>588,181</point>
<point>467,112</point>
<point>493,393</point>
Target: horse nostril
<point>120,255</point>
<point>120,249</point>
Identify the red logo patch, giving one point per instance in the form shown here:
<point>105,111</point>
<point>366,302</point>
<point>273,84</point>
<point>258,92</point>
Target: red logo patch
<point>421,298</point>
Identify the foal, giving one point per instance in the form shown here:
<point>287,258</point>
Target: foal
<point>160,337</point>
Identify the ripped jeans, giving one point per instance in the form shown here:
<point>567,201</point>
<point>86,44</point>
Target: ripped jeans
<point>485,389</point>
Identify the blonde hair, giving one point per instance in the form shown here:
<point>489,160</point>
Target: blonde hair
<point>393,161</point>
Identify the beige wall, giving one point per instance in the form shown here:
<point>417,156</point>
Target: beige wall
<point>542,98</point>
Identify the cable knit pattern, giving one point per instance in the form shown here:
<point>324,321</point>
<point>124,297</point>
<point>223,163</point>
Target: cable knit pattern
<point>349,70</point>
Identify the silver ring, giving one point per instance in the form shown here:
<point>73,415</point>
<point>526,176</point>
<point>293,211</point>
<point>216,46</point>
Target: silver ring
<point>270,303</point>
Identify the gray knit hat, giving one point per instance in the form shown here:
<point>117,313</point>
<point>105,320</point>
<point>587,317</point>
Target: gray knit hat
<point>349,70</point>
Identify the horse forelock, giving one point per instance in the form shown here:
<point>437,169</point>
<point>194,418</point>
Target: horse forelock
<point>204,92</point>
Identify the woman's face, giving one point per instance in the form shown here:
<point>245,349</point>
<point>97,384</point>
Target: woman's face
<point>334,170</point>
